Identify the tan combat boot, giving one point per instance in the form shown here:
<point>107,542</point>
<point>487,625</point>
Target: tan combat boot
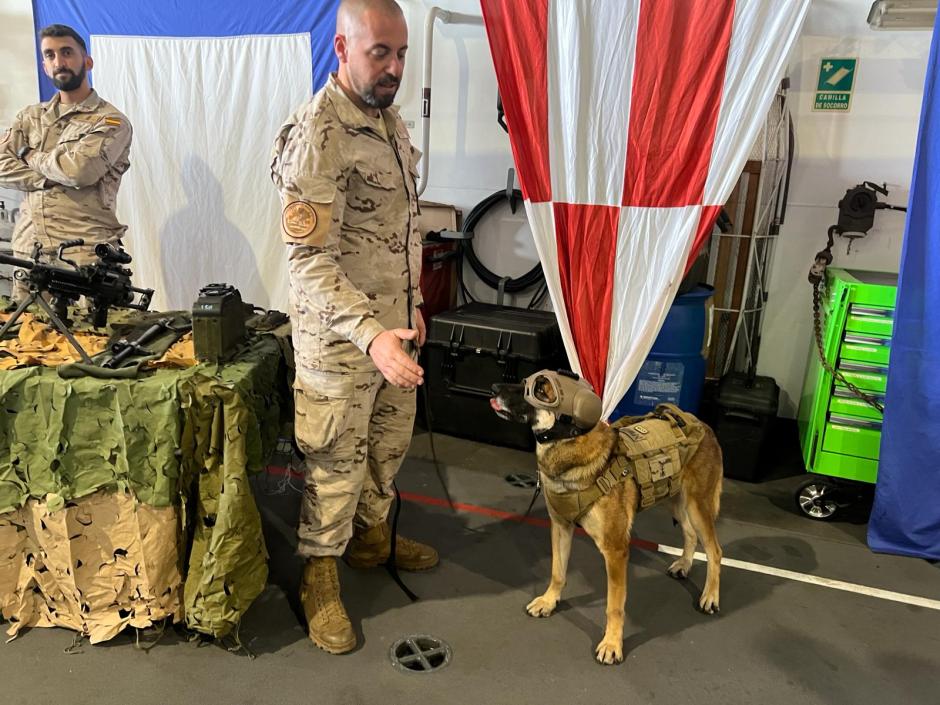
<point>370,547</point>
<point>327,622</point>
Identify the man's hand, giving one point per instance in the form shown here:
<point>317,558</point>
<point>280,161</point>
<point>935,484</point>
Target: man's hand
<point>422,329</point>
<point>394,364</point>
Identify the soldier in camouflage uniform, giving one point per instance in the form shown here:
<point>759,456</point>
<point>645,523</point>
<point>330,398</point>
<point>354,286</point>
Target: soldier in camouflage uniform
<point>68,155</point>
<point>345,170</point>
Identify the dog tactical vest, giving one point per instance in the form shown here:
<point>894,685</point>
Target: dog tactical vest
<point>651,449</point>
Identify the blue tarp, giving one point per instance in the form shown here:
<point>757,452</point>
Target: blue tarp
<point>906,516</point>
<point>202,18</point>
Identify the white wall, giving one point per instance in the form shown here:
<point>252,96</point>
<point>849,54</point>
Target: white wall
<point>874,141</point>
<point>470,152</point>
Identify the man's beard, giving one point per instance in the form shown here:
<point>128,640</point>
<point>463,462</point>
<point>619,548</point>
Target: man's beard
<point>71,83</point>
<point>371,99</point>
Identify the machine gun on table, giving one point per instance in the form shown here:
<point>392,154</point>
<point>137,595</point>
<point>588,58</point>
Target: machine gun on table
<point>104,284</point>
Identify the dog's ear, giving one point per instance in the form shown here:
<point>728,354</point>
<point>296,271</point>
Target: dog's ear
<point>587,409</point>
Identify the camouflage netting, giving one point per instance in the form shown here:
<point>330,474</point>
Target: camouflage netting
<point>96,566</point>
<point>183,441</point>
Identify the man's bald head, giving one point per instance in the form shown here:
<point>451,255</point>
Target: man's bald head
<point>349,16</point>
<point>371,41</point>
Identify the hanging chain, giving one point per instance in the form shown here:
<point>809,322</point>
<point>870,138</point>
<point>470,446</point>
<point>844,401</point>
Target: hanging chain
<point>817,326</point>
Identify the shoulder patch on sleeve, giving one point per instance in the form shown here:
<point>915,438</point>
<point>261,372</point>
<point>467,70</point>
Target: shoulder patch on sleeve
<point>305,223</point>
<point>116,122</point>
<point>299,219</point>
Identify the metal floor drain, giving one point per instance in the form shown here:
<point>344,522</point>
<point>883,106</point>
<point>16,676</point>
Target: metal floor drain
<point>420,654</point>
<point>522,480</point>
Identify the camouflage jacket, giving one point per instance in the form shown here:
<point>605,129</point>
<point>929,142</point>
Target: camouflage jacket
<point>349,211</point>
<point>72,173</point>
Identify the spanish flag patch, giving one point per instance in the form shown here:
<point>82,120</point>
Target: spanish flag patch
<point>112,121</point>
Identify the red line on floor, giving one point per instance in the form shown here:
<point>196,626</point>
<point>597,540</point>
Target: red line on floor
<point>472,509</point>
<point>506,516</point>
<point>475,509</point>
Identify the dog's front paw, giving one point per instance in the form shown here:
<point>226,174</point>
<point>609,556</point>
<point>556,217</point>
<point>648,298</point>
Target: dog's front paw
<point>679,570</point>
<point>709,604</point>
<point>541,606</point>
<point>609,652</point>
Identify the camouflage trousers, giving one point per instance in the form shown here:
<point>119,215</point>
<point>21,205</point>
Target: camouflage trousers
<point>354,430</point>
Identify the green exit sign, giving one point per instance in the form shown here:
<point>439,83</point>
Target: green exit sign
<point>835,84</point>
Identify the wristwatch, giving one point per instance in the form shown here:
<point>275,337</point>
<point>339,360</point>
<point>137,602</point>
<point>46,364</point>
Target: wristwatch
<point>23,151</point>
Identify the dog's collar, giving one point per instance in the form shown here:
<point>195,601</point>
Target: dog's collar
<point>563,429</point>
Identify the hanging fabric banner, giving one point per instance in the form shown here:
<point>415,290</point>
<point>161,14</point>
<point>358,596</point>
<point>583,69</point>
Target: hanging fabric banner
<point>630,122</point>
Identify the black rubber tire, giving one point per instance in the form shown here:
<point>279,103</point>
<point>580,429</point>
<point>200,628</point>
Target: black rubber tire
<point>810,498</point>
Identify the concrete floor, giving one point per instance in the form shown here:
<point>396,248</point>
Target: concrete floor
<point>776,641</point>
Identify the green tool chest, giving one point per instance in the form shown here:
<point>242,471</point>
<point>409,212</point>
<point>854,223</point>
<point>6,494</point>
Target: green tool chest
<point>840,434</point>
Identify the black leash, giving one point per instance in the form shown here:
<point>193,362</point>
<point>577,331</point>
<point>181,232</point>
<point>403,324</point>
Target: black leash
<point>390,565</point>
<point>434,458</point>
<point>535,496</point>
<point>437,465</point>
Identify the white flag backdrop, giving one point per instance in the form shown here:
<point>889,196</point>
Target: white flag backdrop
<point>198,199</point>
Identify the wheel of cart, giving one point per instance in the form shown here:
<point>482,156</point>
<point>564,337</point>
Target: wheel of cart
<point>826,498</point>
<point>818,499</point>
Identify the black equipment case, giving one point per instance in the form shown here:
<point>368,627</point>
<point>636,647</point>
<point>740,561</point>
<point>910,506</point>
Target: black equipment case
<point>475,346</point>
<point>747,409</point>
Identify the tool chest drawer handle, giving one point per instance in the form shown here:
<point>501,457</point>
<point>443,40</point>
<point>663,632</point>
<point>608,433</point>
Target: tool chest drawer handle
<point>855,310</point>
<point>861,367</point>
<point>854,423</point>
<point>857,339</point>
<point>843,393</point>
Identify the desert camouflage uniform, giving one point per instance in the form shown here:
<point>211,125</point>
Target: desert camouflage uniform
<point>71,176</point>
<point>349,209</point>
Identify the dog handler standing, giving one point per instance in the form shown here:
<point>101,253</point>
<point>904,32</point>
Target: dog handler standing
<point>345,169</point>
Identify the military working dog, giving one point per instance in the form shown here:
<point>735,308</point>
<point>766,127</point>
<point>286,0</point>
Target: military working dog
<point>598,476</point>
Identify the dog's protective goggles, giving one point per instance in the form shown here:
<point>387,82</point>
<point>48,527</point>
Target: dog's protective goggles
<point>564,396</point>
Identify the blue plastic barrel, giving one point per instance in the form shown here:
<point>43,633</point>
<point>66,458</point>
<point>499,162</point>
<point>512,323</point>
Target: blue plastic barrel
<point>674,371</point>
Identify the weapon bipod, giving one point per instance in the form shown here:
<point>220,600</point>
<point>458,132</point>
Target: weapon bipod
<point>35,296</point>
